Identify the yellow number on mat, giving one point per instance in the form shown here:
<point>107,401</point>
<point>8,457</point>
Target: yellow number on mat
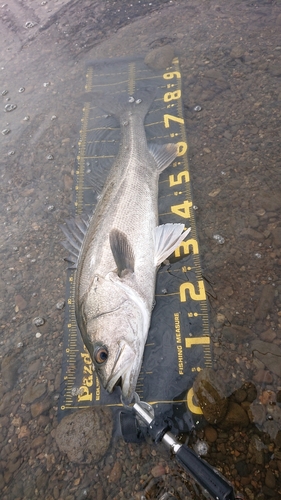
<point>196,341</point>
<point>169,76</point>
<point>182,148</point>
<point>201,295</point>
<point>172,118</point>
<point>183,210</point>
<point>186,245</point>
<point>194,408</point>
<point>180,178</point>
<point>170,96</point>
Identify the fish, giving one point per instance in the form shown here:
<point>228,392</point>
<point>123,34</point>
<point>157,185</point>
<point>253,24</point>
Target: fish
<point>119,248</point>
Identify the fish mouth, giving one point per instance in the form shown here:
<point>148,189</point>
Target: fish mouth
<point>121,373</point>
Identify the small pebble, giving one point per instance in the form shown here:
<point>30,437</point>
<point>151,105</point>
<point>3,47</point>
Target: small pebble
<point>38,321</point>
<point>22,89</point>
<point>60,304</point>
<point>197,108</point>
<point>10,107</point>
<point>29,24</point>
<point>220,239</point>
<point>38,335</point>
<point>201,447</point>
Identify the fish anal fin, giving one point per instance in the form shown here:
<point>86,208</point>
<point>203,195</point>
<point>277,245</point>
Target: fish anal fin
<point>167,238</point>
<point>122,252</point>
<point>163,154</point>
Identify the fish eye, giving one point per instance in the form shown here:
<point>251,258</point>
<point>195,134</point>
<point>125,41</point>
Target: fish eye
<point>100,354</point>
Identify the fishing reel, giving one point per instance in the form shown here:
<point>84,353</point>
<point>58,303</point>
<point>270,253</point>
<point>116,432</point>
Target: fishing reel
<point>140,419</point>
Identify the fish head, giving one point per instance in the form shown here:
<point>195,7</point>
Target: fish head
<point>116,341</point>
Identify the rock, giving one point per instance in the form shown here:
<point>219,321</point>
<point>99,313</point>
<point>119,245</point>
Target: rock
<point>37,442</point>
<point>9,371</point>
<point>2,482</point>
<point>242,468</point>
<point>269,354</point>
<point>35,366</point>
<point>116,473</point>
<point>253,221</point>
<point>240,395</point>
<point>43,420</point>
<point>257,413</point>
<point>34,392</point>
<point>12,467</point>
<point>158,470</point>
<point>5,402</point>
<point>276,233</point>
<point>40,407</point>
<point>275,68</point>
<point>17,421</point>
<point>100,492</point>
<point>227,135</point>
<point>237,334</point>
<point>235,416</point>
<point>270,479</point>
<point>68,181</point>
<point>278,439</point>
<point>41,480</point>
<point>23,432</point>
<point>265,302</point>
<point>251,392</point>
<point>263,376</point>
<point>249,494</point>
<point>210,434</point>
<point>160,58</point>
<point>20,302</point>
<point>209,391</point>
<point>56,493</point>
<point>269,201</point>
<point>252,233</point>
<point>268,336</point>
<point>256,448</point>
<point>77,434</point>
<point>237,52</point>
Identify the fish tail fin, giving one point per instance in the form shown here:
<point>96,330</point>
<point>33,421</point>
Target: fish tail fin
<point>120,106</point>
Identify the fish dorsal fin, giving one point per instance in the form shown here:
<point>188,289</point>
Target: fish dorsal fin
<point>122,252</point>
<point>163,154</point>
<point>74,229</point>
<point>167,238</point>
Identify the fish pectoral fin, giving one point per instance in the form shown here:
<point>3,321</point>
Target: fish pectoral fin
<point>163,154</point>
<point>122,252</point>
<point>167,238</point>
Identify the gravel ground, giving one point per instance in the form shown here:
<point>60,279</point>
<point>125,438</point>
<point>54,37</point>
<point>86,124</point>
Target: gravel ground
<point>230,55</point>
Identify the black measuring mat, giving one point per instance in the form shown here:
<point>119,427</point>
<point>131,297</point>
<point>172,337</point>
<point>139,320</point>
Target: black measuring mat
<point>178,343</point>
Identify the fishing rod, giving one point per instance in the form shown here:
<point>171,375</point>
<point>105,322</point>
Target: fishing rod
<point>203,473</point>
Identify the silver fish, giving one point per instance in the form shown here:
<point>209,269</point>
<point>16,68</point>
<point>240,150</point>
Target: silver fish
<point>122,248</point>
